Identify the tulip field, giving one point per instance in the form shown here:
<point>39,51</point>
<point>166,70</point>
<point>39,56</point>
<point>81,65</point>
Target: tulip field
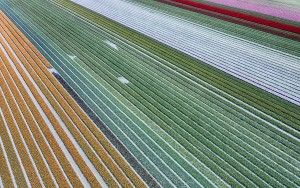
<point>125,93</point>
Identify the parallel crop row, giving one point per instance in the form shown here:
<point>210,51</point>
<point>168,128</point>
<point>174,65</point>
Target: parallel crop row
<point>32,67</point>
<point>263,67</point>
<point>178,117</point>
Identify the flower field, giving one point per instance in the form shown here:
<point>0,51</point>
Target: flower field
<point>158,97</point>
<point>46,138</point>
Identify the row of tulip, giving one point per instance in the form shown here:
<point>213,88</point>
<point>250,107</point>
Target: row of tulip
<point>99,151</point>
<point>289,10</point>
<point>187,123</point>
<point>264,67</point>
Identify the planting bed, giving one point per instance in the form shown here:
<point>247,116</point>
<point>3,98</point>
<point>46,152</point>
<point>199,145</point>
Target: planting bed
<point>46,138</point>
<point>152,114</point>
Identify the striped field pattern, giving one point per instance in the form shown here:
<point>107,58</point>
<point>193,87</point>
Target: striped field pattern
<point>46,138</point>
<point>181,121</point>
<point>240,15</point>
<point>285,9</point>
<point>276,72</point>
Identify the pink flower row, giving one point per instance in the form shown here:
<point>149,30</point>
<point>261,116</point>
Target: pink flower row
<point>281,10</point>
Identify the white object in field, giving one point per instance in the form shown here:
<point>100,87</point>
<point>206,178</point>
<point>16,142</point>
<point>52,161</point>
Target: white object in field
<point>114,46</point>
<point>123,80</point>
<point>72,57</point>
<point>53,70</point>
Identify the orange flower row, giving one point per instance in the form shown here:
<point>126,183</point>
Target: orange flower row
<point>114,169</point>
